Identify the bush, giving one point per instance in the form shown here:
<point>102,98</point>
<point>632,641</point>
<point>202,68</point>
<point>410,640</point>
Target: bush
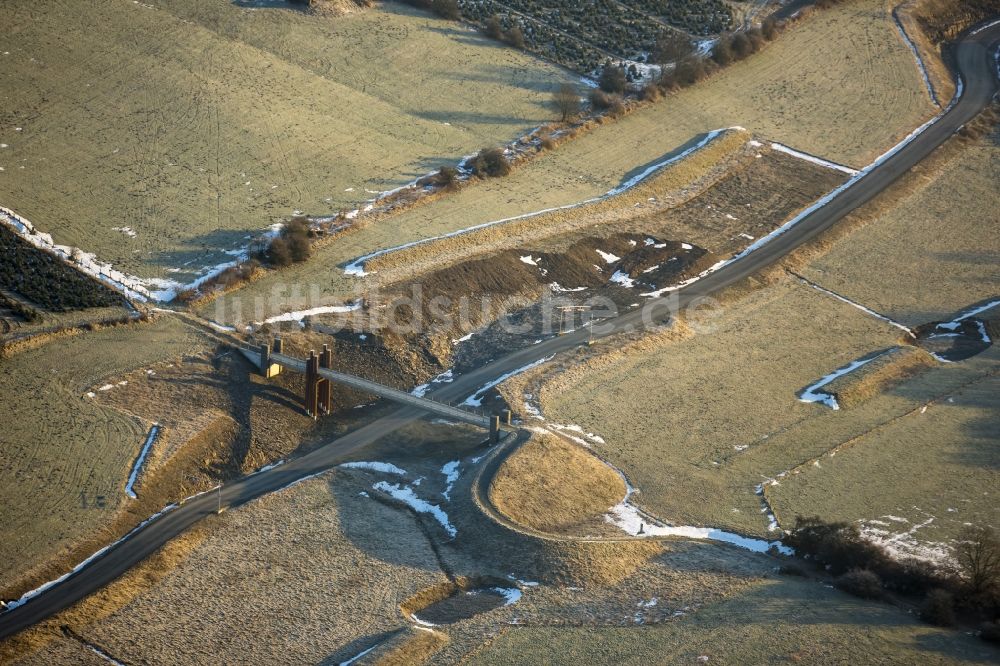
<point>446,177</point>
<point>938,608</point>
<point>741,45</point>
<point>490,162</point>
<point>690,71</point>
<point>278,252</point>
<point>861,583</point>
<point>770,28</point>
<point>515,37</point>
<point>601,100</point>
<point>493,28</point>
<point>547,143</point>
<point>722,52</point>
<point>447,9</point>
<point>650,92</point>
<point>612,79</point>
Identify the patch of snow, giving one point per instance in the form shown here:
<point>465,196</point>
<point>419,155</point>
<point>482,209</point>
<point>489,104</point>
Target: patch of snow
<point>622,278</point>
<point>976,310</point>
<point>374,466</point>
<point>106,387</point>
<point>527,259</point>
<point>128,231</point>
<point>608,257</point>
<point>687,246</point>
<point>511,595</point>
<point>137,467</point>
<point>450,471</point>
<point>626,517</point>
<point>444,378</point>
<point>408,497</point>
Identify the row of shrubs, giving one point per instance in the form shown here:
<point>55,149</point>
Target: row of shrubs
<point>865,570</point>
<point>23,311</point>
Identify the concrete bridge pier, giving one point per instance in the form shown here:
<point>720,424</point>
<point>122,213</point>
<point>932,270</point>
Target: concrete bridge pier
<point>267,368</point>
<point>507,417</point>
<point>325,388</point>
<point>494,429</point>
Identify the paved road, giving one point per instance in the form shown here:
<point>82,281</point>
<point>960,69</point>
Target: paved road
<point>975,61</point>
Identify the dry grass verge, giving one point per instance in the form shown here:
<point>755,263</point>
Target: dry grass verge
<point>551,485</point>
<point>409,646</point>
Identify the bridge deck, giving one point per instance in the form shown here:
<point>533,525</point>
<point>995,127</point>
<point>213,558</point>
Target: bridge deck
<point>402,397</point>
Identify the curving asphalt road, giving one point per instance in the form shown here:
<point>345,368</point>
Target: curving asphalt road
<point>974,56</point>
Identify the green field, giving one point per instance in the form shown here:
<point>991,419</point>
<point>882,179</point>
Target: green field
<point>193,124</point>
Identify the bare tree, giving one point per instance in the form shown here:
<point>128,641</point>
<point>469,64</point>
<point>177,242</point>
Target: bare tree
<point>566,101</point>
<point>978,554</point>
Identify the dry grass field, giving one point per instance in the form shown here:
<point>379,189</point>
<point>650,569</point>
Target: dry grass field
<point>922,477</point>
<point>156,134</point>
<point>63,449</point>
<point>933,254</point>
<point>694,422</point>
<point>294,577</point>
<point>773,621</point>
<point>840,84</point>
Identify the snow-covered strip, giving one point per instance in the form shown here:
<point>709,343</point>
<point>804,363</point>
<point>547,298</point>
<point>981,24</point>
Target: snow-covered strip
<point>868,311</point>
<point>596,439</point>
<point>220,328</point>
<point>299,315</point>
<point>450,471</point>
<point>358,656</point>
<point>374,466</point>
<point>409,498</point>
<point>782,148</point>
<point>476,399</point>
<point>102,654</point>
<point>608,257</point>
<point>627,517</point>
<point>974,311</point>
<point>443,378</point>
<point>511,595</point>
<point>27,596</point>
<point>814,394</point>
<point>137,467</point>
<point>357,269</point>
<point>916,56</point>
<point>528,259</point>
<point>984,336</point>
